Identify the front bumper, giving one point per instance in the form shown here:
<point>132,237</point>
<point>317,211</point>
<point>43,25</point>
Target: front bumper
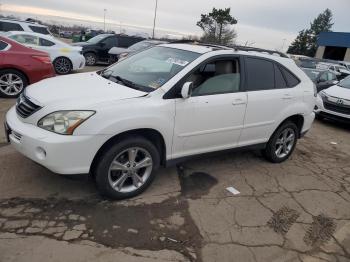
<point>61,154</point>
<point>322,111</point>
<point>78,62</point>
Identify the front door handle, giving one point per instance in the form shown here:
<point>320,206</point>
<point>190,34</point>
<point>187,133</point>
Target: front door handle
<point>239,101</point>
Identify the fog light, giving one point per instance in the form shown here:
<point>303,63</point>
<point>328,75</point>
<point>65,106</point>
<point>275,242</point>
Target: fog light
<point>40,153</point>
<point>316,108</point>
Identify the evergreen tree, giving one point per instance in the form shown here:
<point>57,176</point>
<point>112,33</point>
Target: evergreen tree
<point>306,41</point>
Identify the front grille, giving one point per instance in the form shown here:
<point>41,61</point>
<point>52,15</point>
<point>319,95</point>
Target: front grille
<point>343,109</point>
<point>25,107</point>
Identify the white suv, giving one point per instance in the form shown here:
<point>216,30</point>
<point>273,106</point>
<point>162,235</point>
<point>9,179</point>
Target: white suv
<point>7,25</point>
<point>157,106</point>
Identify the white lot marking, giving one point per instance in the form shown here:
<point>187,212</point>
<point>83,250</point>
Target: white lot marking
<point>334,143</point>
<point>233,190</point>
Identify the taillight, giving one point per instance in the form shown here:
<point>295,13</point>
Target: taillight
<point>43,59</point>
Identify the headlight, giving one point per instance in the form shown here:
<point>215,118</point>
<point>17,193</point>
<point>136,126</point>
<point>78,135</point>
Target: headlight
<point>64,122</point>
<point>323,94</point>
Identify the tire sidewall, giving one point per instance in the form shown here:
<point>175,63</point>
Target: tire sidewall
<point>102,168</point>
<point>70,65</point>
<point>270,150</point>
<point>19,74</point>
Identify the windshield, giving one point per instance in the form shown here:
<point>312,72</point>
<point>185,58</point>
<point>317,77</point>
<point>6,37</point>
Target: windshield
<point>96,39</point>
<point>150,69</point>
<point>140,46</point>
<point>312,74</point>
<point>345,83</point>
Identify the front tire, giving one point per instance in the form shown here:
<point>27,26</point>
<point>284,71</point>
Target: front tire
<point>90,59</point>
<point>282,143</point>
<point>127,168</point>
<point>12,83</point>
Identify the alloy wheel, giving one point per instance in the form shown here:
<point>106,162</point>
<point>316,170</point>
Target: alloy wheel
<point>285,142</point>
<point>62,66</point>
<point>90,60</point>
<point>11,84</point>
<point>130,169</point>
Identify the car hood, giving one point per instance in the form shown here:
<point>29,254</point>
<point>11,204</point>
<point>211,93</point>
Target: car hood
<point>85,89</point>
<point>338,91</point>
<point>81,44</point>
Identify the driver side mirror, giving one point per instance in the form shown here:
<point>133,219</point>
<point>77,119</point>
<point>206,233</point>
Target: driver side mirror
<point>186,90</point>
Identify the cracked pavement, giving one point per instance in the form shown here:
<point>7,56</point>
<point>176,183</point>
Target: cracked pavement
<point>295,211</point>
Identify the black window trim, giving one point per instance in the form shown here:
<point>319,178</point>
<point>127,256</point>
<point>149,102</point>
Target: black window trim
<point>275,63</point>
<point>173,93</point>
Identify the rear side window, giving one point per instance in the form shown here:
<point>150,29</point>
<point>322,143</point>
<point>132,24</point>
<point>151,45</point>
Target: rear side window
<point>3,45</point>
<point>260,74</point>
<point>279,78</point>
<point>44,42</point>
<point>292,80</point>
<point>6,26</point>
<point>39,29</point>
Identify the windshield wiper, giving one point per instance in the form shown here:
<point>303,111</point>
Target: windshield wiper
<point>131,84</point>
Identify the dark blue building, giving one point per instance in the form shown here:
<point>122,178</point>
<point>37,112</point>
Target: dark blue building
<point>334,45</point>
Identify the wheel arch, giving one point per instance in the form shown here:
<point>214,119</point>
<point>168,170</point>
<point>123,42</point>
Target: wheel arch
<point>150,134</point>
<point>19,70</point>
<point>297,119</point>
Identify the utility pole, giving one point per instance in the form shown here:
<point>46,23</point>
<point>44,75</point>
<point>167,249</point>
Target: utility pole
<point>284,42</point>
<point>155,17</point>
<point>104,19</point>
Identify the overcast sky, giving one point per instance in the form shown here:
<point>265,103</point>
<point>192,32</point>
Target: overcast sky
<point>263,23</point>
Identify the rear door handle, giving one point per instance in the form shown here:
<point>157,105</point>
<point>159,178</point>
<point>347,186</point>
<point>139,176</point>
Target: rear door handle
<point>239,101</point>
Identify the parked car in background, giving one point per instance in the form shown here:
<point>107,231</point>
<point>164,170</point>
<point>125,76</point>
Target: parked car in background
<point>21,66</point>
<point>117,53</point>
<point>346,64</point>
<point>339,70</point>
<point>307,63</point>
<point>64,57</point>
<point>96,49</point>
<point>160,105</point>
<point>322,79</point>
<point>334,102</point>
<point>66,34</point>
<point>7,25</point>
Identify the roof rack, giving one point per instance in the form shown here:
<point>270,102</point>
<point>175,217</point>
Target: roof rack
<point>21,21</point>
<point>261,50</point>
<point>235,47</point>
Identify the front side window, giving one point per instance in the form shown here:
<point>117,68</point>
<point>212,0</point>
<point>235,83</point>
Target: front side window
<point>323,77</point>
<point>39,29</point>
<point>331,76</point>
<point>151,68</point>
<point>25,39</point>
<point>260,74</point>
<point>217,77</point>
<point>109,42</point>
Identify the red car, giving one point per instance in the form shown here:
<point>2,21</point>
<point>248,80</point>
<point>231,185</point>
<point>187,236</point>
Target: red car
<point>21,66</point>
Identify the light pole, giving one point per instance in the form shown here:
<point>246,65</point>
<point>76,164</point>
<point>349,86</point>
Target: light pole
<point>284,42</point>
<point>155,17</point>
<point>104,19</point>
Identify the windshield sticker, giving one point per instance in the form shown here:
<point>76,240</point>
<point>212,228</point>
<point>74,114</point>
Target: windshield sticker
<point>177,61</point>
<point>157,83</point>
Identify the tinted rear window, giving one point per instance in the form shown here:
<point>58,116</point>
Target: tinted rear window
<point>291,79</point>
<point>260,74</point>
<point>39,29</point>
<point>6,26</point>
<point>279,78</point>
<point>3,45</point>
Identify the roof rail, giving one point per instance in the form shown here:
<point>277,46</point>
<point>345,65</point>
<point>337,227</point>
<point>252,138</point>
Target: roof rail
<point>21,21</point>
<point>261,50</point>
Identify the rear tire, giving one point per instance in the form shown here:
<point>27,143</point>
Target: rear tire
<point>282,143</point>
<point>62,65</point>
<point>12,83</point>
<point>90,59</point>
<point>117,174</point>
